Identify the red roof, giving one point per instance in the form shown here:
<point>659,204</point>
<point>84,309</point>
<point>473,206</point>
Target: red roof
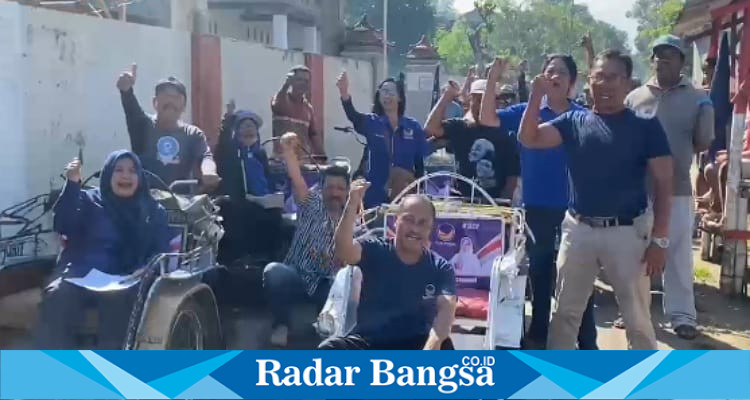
<point>423,50</point>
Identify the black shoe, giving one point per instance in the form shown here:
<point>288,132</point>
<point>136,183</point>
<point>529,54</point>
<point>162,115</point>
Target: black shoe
<point>686,332</point>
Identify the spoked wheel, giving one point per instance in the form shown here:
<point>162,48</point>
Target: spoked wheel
<point>187,331</point>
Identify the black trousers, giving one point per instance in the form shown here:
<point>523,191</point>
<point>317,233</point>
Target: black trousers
<point>357,342</point>
<point>249,230</point>
<point>63,309</point>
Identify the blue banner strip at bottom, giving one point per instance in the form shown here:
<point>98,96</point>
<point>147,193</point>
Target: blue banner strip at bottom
<point>108,375</point>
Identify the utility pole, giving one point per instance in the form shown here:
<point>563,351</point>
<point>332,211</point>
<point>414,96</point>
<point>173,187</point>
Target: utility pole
<point>385,39</point>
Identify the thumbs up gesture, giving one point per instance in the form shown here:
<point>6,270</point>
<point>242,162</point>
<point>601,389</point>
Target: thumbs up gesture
<point>127,79</point>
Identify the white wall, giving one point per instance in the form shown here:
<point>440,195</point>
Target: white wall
<point>362,92</point>
<point>57,80</point>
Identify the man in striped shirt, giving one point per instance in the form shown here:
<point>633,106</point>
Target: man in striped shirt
<point>307,271</point>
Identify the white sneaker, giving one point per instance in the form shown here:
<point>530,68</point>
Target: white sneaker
<point>279,336</point>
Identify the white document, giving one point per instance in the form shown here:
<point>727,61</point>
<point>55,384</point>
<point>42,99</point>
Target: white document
<point>99,281</point>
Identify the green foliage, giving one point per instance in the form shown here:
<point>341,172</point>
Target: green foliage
<point>655,18</point>
<point>530,31</point>
<point>454,48</point>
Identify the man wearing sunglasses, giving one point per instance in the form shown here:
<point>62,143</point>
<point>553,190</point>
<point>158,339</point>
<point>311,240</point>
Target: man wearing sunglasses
<point>687,115</point>
<point>609,222</point>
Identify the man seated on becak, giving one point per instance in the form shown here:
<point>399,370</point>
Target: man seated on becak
<point>716,172</point>
<point>307,271</point>
<point>408,297</point>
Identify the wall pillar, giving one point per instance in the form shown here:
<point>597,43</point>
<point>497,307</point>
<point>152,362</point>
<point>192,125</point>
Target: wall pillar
<point>280,32</point>
<point>311,39</point>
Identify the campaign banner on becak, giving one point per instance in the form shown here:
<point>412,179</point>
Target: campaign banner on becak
<point>106,375</point>
<point>471,245</point>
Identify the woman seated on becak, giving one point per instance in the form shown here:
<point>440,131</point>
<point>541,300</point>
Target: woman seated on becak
<point>243,166</point>
<point>116,229</point>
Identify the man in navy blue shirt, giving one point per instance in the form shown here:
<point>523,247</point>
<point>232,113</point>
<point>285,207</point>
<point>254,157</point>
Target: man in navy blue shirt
<point>609,222</point>
<point>544,182</point>
<point>408,297</point>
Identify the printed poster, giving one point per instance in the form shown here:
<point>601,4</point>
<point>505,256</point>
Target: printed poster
<point>471,245</point>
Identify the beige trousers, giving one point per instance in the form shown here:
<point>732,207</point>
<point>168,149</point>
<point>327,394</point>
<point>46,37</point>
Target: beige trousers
<point>583,252</point>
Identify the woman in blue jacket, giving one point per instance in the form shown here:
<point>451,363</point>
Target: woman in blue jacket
<point>115,229</point>
<point>396,144</point>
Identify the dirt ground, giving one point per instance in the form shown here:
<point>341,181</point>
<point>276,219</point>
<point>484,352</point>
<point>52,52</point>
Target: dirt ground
<point>724,322</point>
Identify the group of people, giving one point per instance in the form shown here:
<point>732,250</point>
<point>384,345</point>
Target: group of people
<point>606,187</point>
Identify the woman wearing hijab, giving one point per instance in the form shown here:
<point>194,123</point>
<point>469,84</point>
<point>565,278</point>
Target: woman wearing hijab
<point>465,261</point>
<point>243,166</point>
<point>116,229</point>
<point>396,144</point>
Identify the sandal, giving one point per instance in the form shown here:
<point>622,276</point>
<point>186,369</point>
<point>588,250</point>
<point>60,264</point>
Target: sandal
<point>686,332</point>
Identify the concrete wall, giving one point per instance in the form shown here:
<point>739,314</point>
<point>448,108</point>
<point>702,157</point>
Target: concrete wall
<point>362,92</point>
<point>57,89</point>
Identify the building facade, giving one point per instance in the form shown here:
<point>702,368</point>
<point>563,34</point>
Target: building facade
<point>286,24</point>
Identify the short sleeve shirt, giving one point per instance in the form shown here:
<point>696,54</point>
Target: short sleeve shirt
<point>311,252</point>
<point>399,301</point>
<point>608,158</point>
<point>484,154</point>
<point>402,148</point>
<point>173,155</point>
<point>544,172</point>
<point>687,115</point>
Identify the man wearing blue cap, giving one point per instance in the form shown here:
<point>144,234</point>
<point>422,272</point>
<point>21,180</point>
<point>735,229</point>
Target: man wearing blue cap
<point>687,115</point>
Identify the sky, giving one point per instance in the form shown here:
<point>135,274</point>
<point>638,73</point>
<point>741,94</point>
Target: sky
<point>603,10</point>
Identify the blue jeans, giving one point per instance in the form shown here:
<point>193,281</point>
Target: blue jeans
<point>284,289</point>
<point>545,225</point>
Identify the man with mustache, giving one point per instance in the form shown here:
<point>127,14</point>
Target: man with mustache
<point>609,222</point>
<point>307,271</point>
<point>168,147</point>
<point>408,299</point>
<point>687,115</point>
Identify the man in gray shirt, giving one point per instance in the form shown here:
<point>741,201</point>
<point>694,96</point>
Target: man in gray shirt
<point>168,147</point>
<point>687,115</point>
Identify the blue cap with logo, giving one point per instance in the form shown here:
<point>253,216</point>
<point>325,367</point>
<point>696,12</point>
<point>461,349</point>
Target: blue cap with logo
<point>668,40</point>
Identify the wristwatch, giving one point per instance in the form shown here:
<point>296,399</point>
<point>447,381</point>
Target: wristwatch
<point>662,243</point>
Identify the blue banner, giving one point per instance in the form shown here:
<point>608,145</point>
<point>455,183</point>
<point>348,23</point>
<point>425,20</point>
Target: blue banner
<point>375,375</point>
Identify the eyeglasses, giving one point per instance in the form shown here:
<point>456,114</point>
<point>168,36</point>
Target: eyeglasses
<point>606,78</point>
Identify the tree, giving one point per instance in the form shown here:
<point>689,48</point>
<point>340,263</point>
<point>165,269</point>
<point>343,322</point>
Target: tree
<point>408,20</point>
<point>531,31</point>
<point>655,18</point>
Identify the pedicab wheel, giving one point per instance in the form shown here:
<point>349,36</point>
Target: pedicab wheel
<point>191,329</point>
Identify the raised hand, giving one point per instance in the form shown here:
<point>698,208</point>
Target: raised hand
<point>452,90</point>
<point>231,107</point>
<point>127,79</point>
<point>343,84</point>
<point>289,143</point>
<point>73,170</point>
<point>541,85</point>
<point>357,190</point>
<point>497,69</point>
<point>586,41</point>
<point>471,76</point>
